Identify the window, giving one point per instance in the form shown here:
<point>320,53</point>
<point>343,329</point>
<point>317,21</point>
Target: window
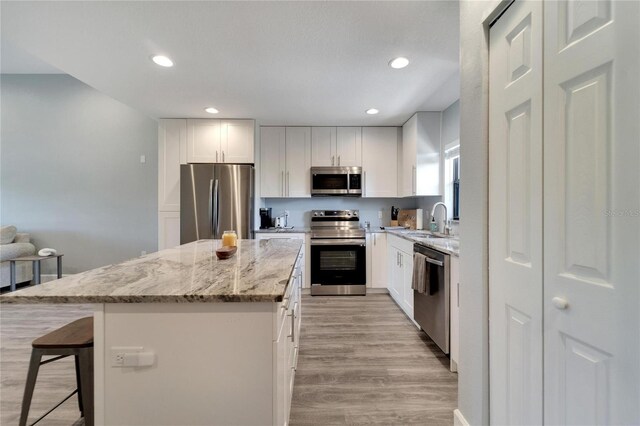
<point>452,179</point>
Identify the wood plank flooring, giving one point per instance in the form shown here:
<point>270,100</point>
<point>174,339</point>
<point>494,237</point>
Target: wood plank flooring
<point>19,326</point>
<point>363,362</point>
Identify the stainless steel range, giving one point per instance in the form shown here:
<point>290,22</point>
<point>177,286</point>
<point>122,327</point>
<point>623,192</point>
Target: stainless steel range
<point>338,253</point>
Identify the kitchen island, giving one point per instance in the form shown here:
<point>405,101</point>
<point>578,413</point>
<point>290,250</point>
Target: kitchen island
<point>181,337</point>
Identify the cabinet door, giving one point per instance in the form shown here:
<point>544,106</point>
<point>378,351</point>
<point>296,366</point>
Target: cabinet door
<point>172,143</point>
<point>203,141</point>
<point>454,290</point>
<point>349,146</point>
<point>272,161</point>
<point>395,274</point>
<point>237,141</point>
<point>409,153</point>
<point>379,260</point>
<point>323,146</point>
<point>380,161</point>
<point>298,161</point>
<point>168,230</point>
<point>428,160</point>
<point>407,274</point>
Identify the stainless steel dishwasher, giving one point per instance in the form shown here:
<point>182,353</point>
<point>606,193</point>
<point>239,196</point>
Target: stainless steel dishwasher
<point>431,309</point>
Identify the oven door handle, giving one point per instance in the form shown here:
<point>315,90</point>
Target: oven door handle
<point>434,262</point>
<point>339,242</point>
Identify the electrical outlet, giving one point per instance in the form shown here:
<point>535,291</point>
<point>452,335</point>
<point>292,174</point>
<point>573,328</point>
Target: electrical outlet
<point>119,354</point>
<point>143,159</point>
<point>379,214</point>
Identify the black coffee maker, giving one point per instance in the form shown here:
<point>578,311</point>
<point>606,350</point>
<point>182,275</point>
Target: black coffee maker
<point>266,221</point>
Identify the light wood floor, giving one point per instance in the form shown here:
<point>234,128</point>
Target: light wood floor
<point>19,326</point>
<point>363,362</point>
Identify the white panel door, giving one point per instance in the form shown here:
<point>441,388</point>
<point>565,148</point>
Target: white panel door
<point>323,146</point>
<point>237,142</point>
<point>203,141</point>
<point>272,162</point>
<point>168,230</point>
<point>349,146</point>
<point>172,142</point>
<point>394,273</point>
<point>591,212</point>
<point>380,161</point>
<point>406,264</point>
<point>515,216</point>
<point>407,184</point>
<point>298,173</point>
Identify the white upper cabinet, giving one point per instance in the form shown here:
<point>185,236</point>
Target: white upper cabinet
<point>237,141</point>
<point>336,146</point>
<point>285,162</point>
<point>380,161</point>
<point>298,162</point>
<point>172,151</point>
<point>272,161</point>
<point>421,155</point>
<point>219,141</point>
<point>349,146</point>
<point>323,146</point>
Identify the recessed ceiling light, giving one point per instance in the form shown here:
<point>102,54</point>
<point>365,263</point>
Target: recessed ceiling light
<point>372,111</point>
<point>163,61</point>
<point>398,63</point>
<point>211,110</point>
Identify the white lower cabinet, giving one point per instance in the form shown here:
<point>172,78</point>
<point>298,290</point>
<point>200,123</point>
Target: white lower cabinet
<point>377,276</point>
<point>286,346</point>
<point>400,264</point>
<point>168,230</point>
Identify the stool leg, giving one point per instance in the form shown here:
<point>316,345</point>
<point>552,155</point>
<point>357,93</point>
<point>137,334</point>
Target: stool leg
<point>79,383</point>
<point>86,379</point>
<point>32,375</point>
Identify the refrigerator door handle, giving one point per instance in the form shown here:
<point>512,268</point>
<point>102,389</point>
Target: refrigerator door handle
<point>211,208</point>
<point>215,224</point>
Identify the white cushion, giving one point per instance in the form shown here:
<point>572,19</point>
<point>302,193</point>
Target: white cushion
<point>7,234</point>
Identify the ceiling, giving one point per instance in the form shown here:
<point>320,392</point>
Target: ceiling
<point>312,63</point>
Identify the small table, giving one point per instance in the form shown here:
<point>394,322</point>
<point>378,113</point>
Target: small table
<point>36,267</point>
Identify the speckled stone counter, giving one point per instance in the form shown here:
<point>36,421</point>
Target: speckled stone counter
<point>294,230</point>
<point>258,272</point>
<point>444,244</point>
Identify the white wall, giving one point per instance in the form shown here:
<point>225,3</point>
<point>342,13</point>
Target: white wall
<point>71,173</point>
<point>473,367</point>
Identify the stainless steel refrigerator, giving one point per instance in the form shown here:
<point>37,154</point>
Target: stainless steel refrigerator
<point>215,198</point>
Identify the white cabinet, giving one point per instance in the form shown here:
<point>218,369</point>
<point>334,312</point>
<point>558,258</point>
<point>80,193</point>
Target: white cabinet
<point>377,255</point>
<point>400,264</point>
<point>287,346</point>
<point>323,146</point>
<point>172,151</point>
<point>168,230</point>
<point>220,141</point>
<point>285,162</point>
<point>421,155</point>
<point>380,161</point>
<point>336,146</point>
<point>454,286</point>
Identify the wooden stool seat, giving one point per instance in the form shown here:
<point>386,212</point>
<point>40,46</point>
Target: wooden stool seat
<point>74,339</point>
<point>76,334</point>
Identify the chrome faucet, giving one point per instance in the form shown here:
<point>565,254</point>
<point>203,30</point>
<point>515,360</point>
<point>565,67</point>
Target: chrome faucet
<point>446,216</point>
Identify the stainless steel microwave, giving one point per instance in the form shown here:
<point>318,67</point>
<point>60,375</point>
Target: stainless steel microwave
<point>328,181</point>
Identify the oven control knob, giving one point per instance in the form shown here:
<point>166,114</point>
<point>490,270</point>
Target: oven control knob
<point>348,213</point>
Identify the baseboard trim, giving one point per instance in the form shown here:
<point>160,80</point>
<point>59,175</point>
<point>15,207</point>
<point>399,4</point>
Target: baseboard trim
<point>458,419</point>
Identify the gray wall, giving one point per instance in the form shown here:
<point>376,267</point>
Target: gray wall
<point>473,366</point>
<point>70,171</point>
<point>451,123</point>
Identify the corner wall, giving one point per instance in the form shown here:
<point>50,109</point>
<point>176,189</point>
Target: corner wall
<point>473,368</point>
<point>70,171</point>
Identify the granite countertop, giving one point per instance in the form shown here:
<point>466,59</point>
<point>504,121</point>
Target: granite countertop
<point>294,230</point>
<point>449,245</point>
<point>258,272</point>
